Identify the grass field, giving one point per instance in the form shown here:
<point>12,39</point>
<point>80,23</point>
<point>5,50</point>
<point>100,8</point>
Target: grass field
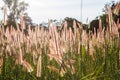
<point>69,54</point>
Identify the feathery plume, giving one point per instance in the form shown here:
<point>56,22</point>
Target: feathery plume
<point>39,67</point>
<point>27,66</point>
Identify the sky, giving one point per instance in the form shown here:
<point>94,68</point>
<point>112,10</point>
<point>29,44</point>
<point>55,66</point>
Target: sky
<point>42,10</point>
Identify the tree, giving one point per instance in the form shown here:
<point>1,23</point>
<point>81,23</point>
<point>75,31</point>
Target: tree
<point>115,8</point>
<point>70,21</point>
<point>15,9</point>
<point>27,19</point>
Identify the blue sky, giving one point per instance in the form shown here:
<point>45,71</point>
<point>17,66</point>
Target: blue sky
<point>42,10</point>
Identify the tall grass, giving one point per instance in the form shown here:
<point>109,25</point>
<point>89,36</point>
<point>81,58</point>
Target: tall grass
<point>60,55</point>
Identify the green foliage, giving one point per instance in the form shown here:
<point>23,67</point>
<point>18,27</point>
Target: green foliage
<point>104,65</point>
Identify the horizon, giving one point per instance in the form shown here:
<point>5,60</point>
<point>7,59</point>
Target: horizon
<point>42,10</point>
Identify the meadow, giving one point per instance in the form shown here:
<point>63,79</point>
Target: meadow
<point>68,54</point>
